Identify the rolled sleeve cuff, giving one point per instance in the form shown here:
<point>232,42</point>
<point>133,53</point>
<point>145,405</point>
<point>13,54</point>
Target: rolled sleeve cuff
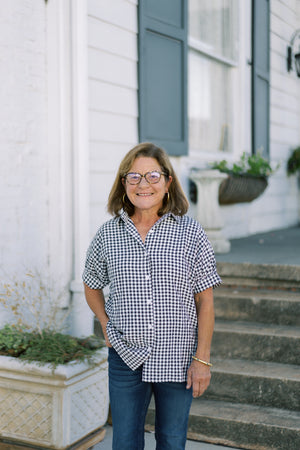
<point>211,280</point>
<point>91,280</point>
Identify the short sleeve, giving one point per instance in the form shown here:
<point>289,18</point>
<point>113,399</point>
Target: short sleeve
<point>95,274</point>
<point>204,270</point>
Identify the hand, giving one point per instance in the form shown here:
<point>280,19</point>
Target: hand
<point>198,377</point>
<point>107,343</point>
<point>103,325</point>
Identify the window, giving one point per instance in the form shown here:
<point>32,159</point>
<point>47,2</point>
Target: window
<point>213,53</point>
<point>196,43</point>
<point>162,74</point>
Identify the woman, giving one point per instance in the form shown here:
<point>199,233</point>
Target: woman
<point>158,319</point>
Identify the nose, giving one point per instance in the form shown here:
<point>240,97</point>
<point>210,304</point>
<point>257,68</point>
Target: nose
<point>143,182</point>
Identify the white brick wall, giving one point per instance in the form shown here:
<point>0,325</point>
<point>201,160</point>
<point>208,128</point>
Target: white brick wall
<point>23,165</point>
<point>23,157</point>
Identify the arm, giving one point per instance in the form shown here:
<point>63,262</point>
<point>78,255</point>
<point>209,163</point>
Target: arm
<point>198,375</point>
<point>95,300</point>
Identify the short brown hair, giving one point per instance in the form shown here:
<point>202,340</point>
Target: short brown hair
<point>177,202</point>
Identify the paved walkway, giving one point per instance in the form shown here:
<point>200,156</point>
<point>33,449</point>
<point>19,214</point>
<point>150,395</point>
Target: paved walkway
<point>106,444</point>
<point>274,247</point>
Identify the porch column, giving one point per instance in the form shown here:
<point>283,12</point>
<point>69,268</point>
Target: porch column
<point>81,315</point>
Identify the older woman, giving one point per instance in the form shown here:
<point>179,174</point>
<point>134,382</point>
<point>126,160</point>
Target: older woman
<point>158,319</point>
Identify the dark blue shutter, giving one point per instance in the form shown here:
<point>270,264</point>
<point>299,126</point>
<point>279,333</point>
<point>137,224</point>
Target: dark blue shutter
<point>163,74</point>
<point>260,76</point>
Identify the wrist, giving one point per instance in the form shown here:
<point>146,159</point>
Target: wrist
<point>202,361</point>
<point>203,355</point>
<point>103,322</point>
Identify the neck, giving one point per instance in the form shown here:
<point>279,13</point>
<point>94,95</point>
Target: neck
<point>144,218</point>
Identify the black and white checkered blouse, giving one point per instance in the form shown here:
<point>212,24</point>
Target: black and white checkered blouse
<point>151,308</point>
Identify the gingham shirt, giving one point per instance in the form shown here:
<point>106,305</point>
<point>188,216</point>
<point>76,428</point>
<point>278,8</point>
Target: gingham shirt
<point>151,307</point>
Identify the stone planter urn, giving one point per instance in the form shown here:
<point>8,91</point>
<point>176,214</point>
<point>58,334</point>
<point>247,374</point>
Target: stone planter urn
<point>42,407</point>
<point>208,209</point>
<point>241,189</point>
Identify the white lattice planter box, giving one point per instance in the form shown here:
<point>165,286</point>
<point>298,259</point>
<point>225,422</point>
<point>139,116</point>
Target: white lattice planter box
<point>55,409</point>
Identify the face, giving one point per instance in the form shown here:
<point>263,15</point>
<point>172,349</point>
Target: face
<point>145,196</point>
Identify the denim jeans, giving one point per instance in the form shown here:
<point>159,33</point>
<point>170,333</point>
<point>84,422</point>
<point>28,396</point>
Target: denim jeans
<point>129,400</point>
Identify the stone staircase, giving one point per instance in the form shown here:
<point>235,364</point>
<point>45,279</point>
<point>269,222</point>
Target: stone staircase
<point>253,401</point>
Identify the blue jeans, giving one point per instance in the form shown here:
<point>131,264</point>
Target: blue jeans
<point>129,400</point>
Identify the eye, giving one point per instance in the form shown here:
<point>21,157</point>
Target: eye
<point>133,177</point>
<point>153,176</point>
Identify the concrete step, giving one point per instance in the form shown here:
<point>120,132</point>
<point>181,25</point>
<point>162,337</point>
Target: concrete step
<point>254,341</point>
<point>260,275</point>
<point>255,382</point>
<point>238,425</point>
<point>262,306</point>
<point>244,426</point>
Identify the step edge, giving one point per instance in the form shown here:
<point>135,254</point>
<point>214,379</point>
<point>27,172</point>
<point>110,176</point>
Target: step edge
<point>238,327</point>
<point>278,272</point>
<point>234,368</point>
<point>262,411</point>
<point>257,295</point>
<point>222,410</point>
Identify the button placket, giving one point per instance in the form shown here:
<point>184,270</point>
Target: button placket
<point>149,327</point>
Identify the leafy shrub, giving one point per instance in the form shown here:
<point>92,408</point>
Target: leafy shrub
<point>293,164</point>
<point>253,165</point>
<point>46,347</point>
<point>13,342</point>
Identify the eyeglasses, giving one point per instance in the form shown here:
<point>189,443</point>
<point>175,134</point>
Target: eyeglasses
<point>151,177</point>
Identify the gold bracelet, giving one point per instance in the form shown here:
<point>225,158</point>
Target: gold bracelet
<point>203,362</point>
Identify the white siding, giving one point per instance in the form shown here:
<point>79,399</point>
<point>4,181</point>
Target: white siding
<point>285,117</point>
<point>113,110</point>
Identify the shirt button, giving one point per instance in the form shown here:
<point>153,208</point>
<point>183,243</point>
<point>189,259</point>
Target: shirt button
<point>147,277</point>
<point>150,326</point>
<point>151,231</point>
<point>149,302</point>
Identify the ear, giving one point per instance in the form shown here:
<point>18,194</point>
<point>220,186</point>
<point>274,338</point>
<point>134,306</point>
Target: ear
<point>169,182</point>
<point>123,181</point>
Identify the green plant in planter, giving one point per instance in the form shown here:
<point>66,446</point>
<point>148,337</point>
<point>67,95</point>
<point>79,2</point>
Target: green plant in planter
<point>46,347</point>
<point>248,165</point>
<point>293,163</point>
<point>247,179</point>
<point>38,321</point>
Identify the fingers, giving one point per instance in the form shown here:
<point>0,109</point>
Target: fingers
<point>196,390</point>
<point>198,378</point>
<point>189,380</point>
<point>199,389</point>
<point>107,343</point>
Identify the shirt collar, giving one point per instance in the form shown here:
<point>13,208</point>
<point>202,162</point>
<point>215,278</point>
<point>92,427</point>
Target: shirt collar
<point>125,217</point>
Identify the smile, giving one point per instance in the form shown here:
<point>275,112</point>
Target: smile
<point>144,195</point>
